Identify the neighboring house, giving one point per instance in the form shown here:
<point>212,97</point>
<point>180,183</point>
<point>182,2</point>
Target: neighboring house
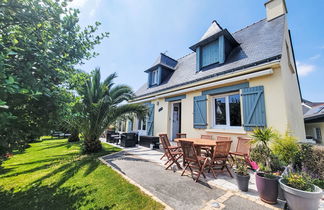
<point>230,84</point>
<point>314,120</point>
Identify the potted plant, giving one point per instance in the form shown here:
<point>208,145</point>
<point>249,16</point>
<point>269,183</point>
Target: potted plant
<point>269,165</point>
<point>242,175</point>
<point>299,192</point>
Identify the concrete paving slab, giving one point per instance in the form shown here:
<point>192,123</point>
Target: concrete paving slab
<point>238,203</point>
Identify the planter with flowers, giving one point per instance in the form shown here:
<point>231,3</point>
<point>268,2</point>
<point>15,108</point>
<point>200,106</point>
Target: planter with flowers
<point>242,175</point>
<point>269,165</point>
<point>299,192</point>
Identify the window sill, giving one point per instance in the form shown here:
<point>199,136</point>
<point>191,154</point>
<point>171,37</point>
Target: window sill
<point>230,131</point>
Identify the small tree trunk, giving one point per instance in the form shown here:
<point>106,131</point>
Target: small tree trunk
<point>74,137</point>
<point>92,145</point>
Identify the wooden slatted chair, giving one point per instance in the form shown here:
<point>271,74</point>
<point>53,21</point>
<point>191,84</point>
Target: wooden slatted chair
<point>220,157</point>
<point>223,138</point>
<point>242,150</point>
<point>172,153</point>
<point>181,135</point>
<point>218,138</point>
<point>210,137</point>
<point>206,137</point>
<point>168,145</point>
<point>192,160</point>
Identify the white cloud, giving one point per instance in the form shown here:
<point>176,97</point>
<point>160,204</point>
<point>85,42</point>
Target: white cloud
<point>315,57</point>
<point>305,69</point>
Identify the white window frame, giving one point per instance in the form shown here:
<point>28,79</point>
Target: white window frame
<point>154,77</point>
<point>228,121</point>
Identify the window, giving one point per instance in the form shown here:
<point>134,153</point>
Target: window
<point>154,77</point>
<point>141,124</point>
<point>227,111</point>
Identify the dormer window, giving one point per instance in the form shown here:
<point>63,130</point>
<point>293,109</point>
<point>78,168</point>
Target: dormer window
<point>213,47</point>
<point>209,54</point>
<point>154,77</point>
<point>161,70</point>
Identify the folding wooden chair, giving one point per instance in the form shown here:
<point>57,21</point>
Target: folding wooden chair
<point>173,155</point>
<point>181,135</point>
<point>220,157</point>
<point>165,136</point>
<point>206,137</point>
<point>210,137</point>
<point>242,150</point>
<point>192,160</point>
<point>223,138</point>
<point>218,138</point>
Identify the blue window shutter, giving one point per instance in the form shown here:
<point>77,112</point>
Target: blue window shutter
<point>150,120</point>
<point>254,114</point>
<point>200,112</point>
<point>210,54</point>
<point>198,59</point>
<point>149,80</point>
<point>159,72</point>
<point>221,49</point>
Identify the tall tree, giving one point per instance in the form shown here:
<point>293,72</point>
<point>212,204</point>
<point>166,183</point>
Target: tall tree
<point>102,103</point>
<point>40,43</point>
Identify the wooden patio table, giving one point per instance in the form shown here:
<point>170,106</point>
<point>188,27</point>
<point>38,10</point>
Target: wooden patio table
<point>199,142</point>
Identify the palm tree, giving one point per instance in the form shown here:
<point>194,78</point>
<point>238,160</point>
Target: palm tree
<point>102,103</point>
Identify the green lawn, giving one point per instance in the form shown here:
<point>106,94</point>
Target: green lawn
<point>52,174</point>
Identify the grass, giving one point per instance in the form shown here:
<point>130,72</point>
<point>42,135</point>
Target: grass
<point>52,174</point>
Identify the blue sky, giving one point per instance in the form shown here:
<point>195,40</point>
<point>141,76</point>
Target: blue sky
<point>141,29</point>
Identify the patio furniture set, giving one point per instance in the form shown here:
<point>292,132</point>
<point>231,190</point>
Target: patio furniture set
<point>201,155</point>
<point>131,139</point>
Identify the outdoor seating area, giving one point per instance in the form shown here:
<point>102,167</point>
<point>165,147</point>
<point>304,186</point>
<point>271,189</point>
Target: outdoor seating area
<point>203,155</point>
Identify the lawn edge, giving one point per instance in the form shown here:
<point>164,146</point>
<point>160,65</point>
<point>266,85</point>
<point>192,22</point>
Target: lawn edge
<point>167,207</point>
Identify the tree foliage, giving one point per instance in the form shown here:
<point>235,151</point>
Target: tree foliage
<point>102,104</point>
<point>40,44</point>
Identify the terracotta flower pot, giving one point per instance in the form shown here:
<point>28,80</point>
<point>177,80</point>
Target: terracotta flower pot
<point>300,200</point>
<point>267,188</point>
<point>242,182</point>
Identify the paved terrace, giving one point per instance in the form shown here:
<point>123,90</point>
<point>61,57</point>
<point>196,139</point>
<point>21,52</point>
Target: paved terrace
<point>143,167</point>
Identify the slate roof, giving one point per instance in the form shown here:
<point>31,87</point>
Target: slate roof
<point>165,61</point>
<point>315,113</point>
<point>260,42</point>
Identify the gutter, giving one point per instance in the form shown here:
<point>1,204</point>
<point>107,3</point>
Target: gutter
<point>208,85</point>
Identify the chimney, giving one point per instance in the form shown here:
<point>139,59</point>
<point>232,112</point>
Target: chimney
<point>275,8</point>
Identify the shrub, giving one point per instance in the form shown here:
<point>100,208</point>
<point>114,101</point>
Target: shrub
<point>285,148</point>
<point>299,181</point>
<point>319,183</point>
<point>261,152</point>
<point>304,152</point>
<point>314,162</point>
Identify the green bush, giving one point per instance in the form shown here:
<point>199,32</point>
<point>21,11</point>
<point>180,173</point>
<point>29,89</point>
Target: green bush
<point>319,183</point>
<point>262,153</point>
<point>285,148</point>
<point>313,162</point>
<point>299,181</point>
